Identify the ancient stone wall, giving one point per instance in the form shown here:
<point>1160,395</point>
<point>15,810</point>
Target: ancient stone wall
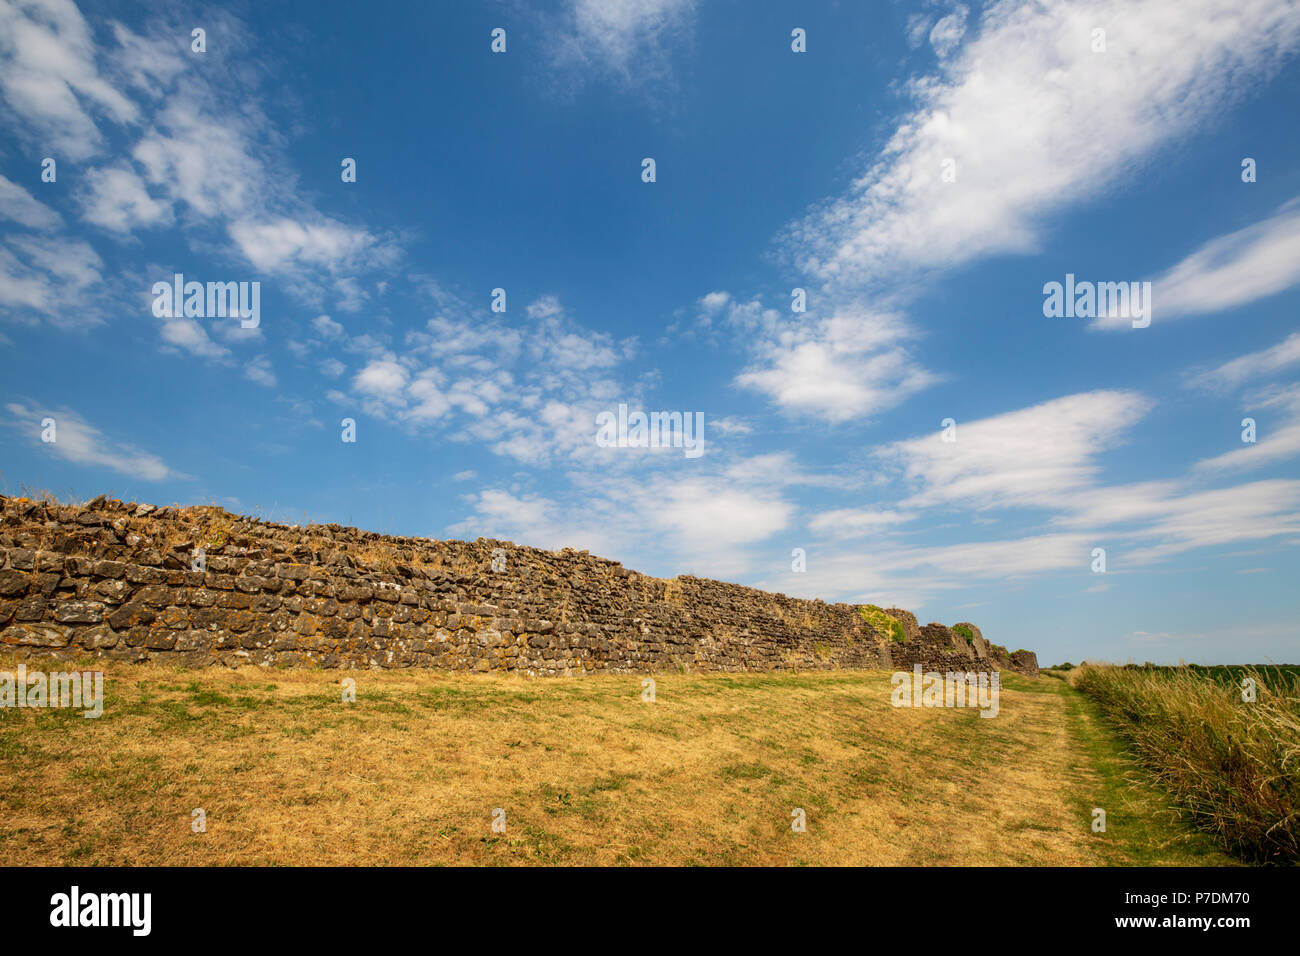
<point>940,648</point>
<point>199,586</point>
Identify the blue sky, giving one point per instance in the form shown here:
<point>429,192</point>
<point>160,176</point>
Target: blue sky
<point>1114,156</point>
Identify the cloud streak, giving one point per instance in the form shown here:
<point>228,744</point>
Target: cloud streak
<point>79,442</point>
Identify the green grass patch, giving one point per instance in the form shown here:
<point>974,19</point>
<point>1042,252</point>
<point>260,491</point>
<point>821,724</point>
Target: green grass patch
<point>884,623</point>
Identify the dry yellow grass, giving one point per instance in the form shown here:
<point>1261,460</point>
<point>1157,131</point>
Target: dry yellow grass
<point>587,773</point>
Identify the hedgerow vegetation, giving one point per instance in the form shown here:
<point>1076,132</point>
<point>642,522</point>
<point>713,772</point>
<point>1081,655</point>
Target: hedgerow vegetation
<point>1232,764</point>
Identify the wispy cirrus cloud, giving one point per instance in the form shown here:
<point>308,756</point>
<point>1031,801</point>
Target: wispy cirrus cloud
<point>1031,120</point>
<point>1250,368</point>
<point>1229,271</point>
<point>614,37</point>
<point>865,553</point>
<point>20,206</point>
<point>1032,457</point>
<point>1279,441</point>
<point>80,442</point>
<point>1250,512</point>
<point>1035,121</point>
<point>51,277</point>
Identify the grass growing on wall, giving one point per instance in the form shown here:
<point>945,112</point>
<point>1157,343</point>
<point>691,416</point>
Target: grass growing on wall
<point>883,623</point>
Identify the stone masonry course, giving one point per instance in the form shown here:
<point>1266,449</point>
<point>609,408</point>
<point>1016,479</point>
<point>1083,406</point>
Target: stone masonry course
<point>198,586</point>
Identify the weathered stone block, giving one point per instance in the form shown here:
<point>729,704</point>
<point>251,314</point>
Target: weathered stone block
<point>14,583</point>
<point>79,612</point>
<point>130,615</point>
<point>36,635</point>
<point>97,637</point>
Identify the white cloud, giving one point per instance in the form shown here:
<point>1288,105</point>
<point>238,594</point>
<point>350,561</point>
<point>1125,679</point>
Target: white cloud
<point>200,149</point>
<point>79,442</point>
<point>148,65</point>
<point>1252,512</point>
<point>890,574</point>
<point>351,297</point>
<point>982,560</point>
<point>547,307</point>
<point>71,261</point>
<point>529,520</point>
<point>776,469</point>
<point>49,78</point>
<point>532,397</point>
<point>1275,441</point>
<point>1251,367</point>
<point>947,33</point>
<point>115,198</point>
<point>22,207</point>
<point>1105,507</point>
<point>1035,122</point>
<point>710,522</point>
<point>1229,271</point>
<point>618,37</point>
<point>327,327</point>
<point>382,378</point>
<point>1161,523</point>
<point>918,28</point>
<point>189,335</point>
<point>706,522</point>
<point>202,157</point>
<point>850,365</point>
<point>730,425</point>
<point>714,302</point>
<point>1033,457</point>
<point>857,522</point>
<point>259,370</point>
<point>54,277</point>
<point>21,288</point>
<point>285,243</point>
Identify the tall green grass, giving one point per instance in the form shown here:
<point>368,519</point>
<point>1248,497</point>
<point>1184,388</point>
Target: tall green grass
<point>1233,766</point>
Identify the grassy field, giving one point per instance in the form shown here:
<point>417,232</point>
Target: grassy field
<point>587,773</point>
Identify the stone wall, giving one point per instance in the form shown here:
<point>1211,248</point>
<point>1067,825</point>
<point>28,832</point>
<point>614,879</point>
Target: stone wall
<point>943,649</point>
<point>199,586</point>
